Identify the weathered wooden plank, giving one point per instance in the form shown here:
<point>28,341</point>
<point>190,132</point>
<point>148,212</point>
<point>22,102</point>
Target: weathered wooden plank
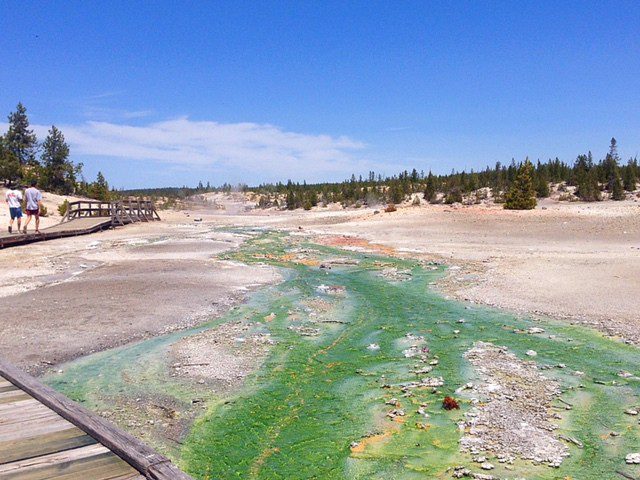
<point>22,407</point>
<point>10,397</point>
<point>100,469</point>
<point>92,462</point>
<point>30,401</point>
<point>33,428</point>
<point>54,459</point>
<point>129,448</point>
<point>7,388</point>
<point>4,382</point>
<point>20,416</point>
<point>54,442</point>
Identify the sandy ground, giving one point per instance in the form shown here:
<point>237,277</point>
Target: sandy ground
<point>574,261</point>
<point>66,298</point>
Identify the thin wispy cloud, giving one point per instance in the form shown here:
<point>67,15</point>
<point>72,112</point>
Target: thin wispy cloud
<point>260,150</point>
<point>138,114</point>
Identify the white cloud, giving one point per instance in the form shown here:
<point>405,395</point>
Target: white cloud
<point>248,152</point>
<point>263,150</point>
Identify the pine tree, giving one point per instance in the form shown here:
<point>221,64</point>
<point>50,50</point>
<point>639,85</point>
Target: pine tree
<point>521,194</point>
<point>612,172</point>
<point>58,173</point>
<point>542,181</point>
<point>100,189</point>
<point>588,187</point>
<point>20,139</point>
<point>617,192</point>
<point>9,163</point>
<point>430,189</point>
<point>630,176</point>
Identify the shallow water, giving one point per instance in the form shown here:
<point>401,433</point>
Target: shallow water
<point>299,414</point>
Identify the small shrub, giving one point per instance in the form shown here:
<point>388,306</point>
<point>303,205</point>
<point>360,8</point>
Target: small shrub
<point>567,197</point>
<point>450,404</point>
<point>390,208</point>
<point>63,207</point>
<point>43,211</point>
<point>453,196</point>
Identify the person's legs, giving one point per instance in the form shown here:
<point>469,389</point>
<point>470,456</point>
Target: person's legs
<point>37,222</point>
<point>26,223</point>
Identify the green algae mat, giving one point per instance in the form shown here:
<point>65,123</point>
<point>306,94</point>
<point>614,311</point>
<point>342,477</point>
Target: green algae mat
<point>363,353</point>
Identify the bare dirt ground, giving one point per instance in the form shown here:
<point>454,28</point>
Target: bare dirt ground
<point>574,261</point>
<point>67,298</point>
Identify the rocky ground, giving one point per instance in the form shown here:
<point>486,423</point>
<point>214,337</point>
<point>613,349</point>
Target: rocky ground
<point>511,416</point>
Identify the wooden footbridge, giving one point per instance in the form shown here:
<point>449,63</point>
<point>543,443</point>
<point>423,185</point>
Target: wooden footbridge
<point>84,217</point>
<point>44,435</point>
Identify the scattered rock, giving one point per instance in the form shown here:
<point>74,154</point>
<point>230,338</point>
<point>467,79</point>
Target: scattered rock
<point>532,353</point>
<point>512,418</point>
<point>632,458</point>
<point>395,413</point>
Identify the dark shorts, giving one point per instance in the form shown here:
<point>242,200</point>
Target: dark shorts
<point>15,212</point>
<point>35,212</point>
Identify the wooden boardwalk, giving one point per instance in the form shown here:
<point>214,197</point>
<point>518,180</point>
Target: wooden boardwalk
<point>78,226</point>
<point>44,435</point>
<point>84,217</point>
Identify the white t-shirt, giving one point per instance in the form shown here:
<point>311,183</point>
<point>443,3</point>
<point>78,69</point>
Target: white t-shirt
<point>14,198</point>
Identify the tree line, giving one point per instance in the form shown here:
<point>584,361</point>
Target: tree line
<point>517,185</point>
<point>23,158</point>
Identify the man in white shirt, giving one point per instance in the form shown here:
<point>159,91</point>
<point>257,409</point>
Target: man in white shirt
<point>14,200</point>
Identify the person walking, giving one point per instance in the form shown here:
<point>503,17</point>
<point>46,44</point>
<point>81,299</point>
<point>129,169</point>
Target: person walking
<point>13,197</point>
<point>34,202</point>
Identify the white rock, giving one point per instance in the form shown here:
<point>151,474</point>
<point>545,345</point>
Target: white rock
<point>531,353</point>
<point>632,458</point>
<point>536,330</point>
<point>487,466</point>
<point>373,346</point>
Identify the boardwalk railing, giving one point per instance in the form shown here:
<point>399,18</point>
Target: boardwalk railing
<point>88,216</point>
<point>147,462</point>
<point>121,212</point>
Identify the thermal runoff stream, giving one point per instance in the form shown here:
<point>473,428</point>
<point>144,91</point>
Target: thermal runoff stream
<point>359,356</point>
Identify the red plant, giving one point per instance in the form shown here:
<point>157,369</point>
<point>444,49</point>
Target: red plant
<point>450,403</point>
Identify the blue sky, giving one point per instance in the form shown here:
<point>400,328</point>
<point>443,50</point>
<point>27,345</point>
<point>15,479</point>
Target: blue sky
<point>168,93</point>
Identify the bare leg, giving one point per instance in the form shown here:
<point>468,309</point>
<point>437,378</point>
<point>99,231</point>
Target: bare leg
<point>37,223</point>
<point>26,223</point>
<point>19,222</point>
